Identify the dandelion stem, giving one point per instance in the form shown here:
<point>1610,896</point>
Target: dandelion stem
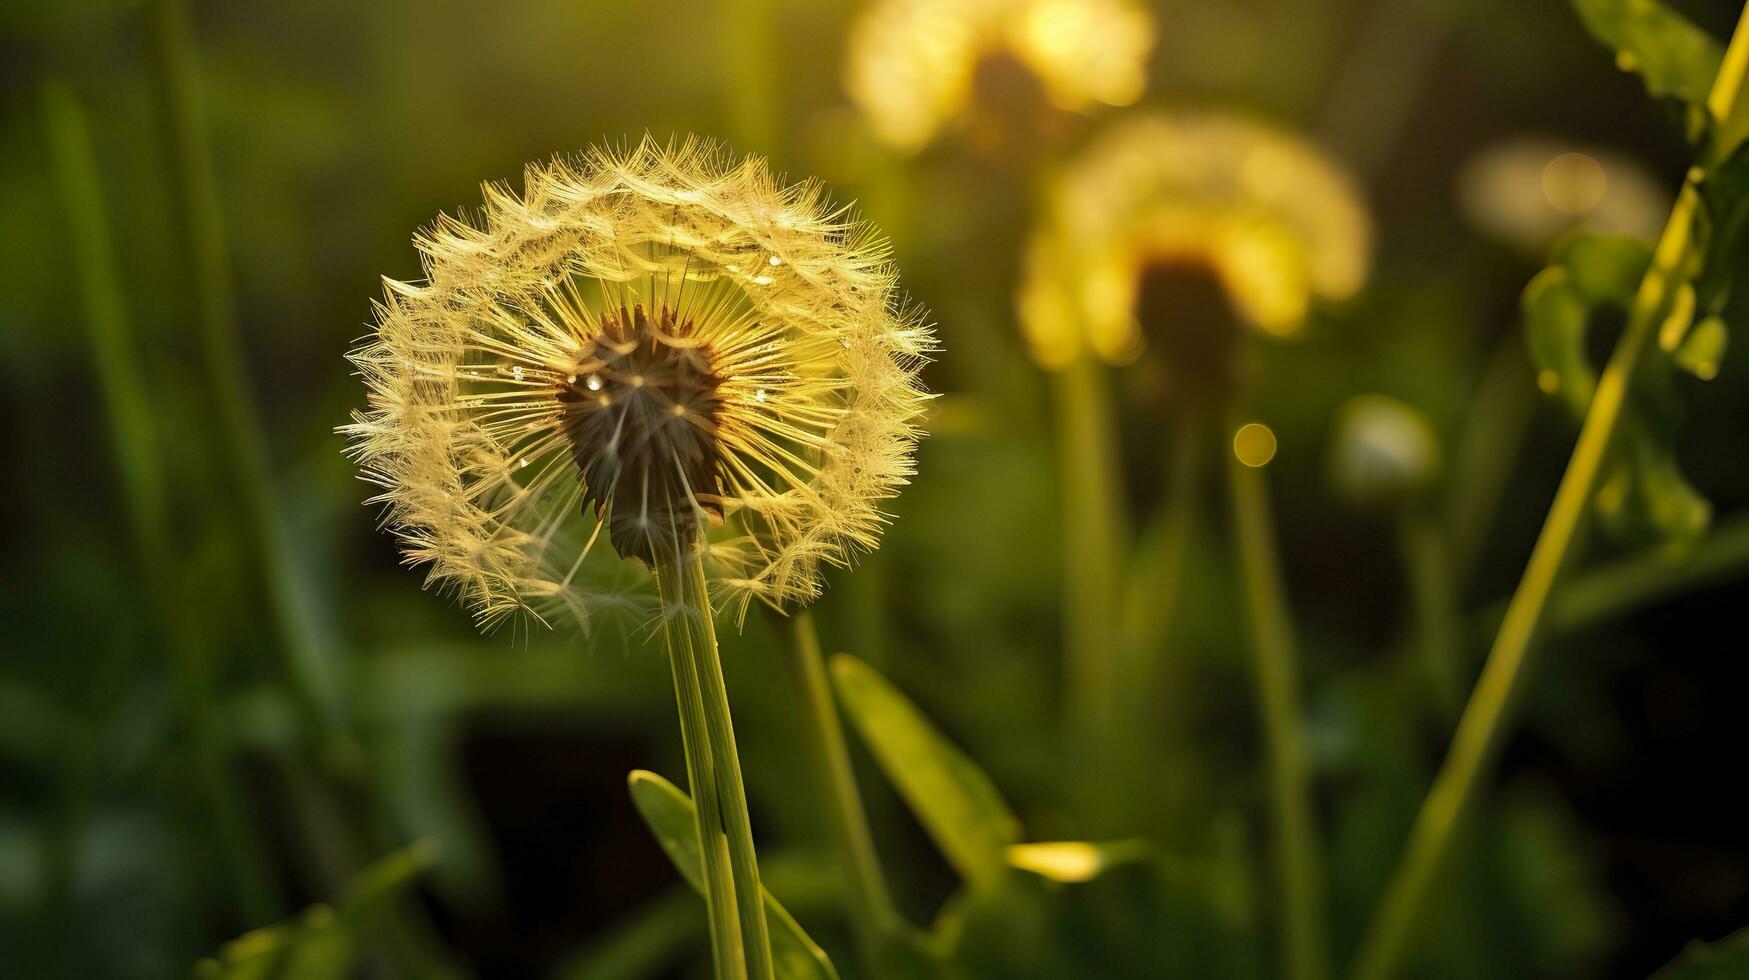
<point>733,891</point>
<point>1092,520</point>
<point>873,917</point>
<point>134,442</point>
<point>1482,729</point>
<point>1151,598</point>
<point>1276,671</point>
<point>1433,597</point>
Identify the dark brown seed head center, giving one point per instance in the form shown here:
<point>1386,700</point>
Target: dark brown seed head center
<point>641,411</point>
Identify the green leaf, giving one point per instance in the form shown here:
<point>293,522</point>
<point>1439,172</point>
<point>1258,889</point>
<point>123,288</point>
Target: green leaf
<point>668,813</point>
<point>1727,959</point>
<point>1073,862</point>
<point>1704,348</point>
<point>1675,59</point>
<point>956,801</point>
<point>1643,498</point>
<point>1719,227</point>
<point>324,941</point>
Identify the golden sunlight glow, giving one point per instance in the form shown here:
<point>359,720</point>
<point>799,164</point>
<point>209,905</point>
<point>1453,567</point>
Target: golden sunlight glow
<point>1278,222</point>
<point>911,62</point>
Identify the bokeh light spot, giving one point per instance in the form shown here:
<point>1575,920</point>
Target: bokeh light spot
<point>1254,444</point>
<point>1574,183</point>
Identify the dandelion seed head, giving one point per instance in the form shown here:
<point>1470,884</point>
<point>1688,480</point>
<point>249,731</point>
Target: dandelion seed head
<point>589,373</point>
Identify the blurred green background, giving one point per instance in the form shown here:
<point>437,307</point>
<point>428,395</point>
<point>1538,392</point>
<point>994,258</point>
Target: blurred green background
<point>1616,830</point>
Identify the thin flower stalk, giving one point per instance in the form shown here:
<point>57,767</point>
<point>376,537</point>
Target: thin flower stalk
<point>1151,602</point>
<point>241,433</point>
<point>1092,561</point>
<point>1276,671</point>
<point>740,944</point>
<point>1438,623</point>
<point>1482,729</point>
<point>873,917</point>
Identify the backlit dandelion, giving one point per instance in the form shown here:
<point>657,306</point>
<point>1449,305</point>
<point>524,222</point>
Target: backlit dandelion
<point>666,353</point>
<point>914,64</point>
<point>643,350</point>
<point>1266,218</point>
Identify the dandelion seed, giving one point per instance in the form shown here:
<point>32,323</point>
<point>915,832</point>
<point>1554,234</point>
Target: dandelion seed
<point>613,269</point>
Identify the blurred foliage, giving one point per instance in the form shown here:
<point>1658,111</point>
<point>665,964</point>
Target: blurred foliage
<point>1609,841</point>
<point>325,942</point>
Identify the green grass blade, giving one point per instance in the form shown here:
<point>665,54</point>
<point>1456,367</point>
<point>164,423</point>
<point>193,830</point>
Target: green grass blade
<point>324,942</point>
<point>957,802</point>
<point>1727,959</point>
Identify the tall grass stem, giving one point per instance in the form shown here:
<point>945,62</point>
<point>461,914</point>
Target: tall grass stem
<point>1489,714</point>
<point>134,443</point>
<point>1276,670</point>
<point>241,434</point>
<point>1438,621</point>
<point>873,919</point>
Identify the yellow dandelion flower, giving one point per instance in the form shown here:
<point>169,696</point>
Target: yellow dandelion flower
<point>1265,217</point>
<point>656,350</point>
<point>913,64</point>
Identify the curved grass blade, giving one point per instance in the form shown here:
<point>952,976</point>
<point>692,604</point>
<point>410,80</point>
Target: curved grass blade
<point>324,942</point>
<point>956,801</point>
<point>1726,959</point>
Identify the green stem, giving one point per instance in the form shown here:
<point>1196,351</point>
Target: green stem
<point>1150,601</point>
<point>1438,625</point>
<point>733,891</point>
<point>241,434</point>
<point>1092,518</point>
<point>134,442</point>
<point>1276,670</point>
<point>873,917</point>
<point>1481,730</point>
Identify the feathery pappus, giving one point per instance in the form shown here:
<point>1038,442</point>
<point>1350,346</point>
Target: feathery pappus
<point>651,350</point>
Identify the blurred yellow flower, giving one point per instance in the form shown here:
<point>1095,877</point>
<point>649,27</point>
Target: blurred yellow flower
<point>912,64</point>
<point>661,343</point>
<point>1271,220</point>
<point>1528,191</point>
